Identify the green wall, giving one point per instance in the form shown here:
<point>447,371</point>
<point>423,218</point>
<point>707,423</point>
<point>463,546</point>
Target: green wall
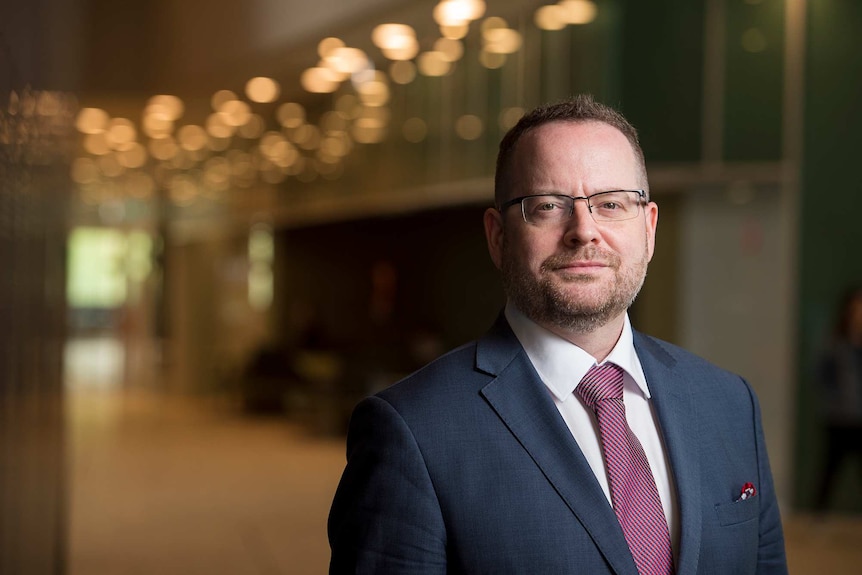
<point>831,209</point>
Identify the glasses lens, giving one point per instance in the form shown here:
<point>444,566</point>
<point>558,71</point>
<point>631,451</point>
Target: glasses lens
<point>615,206</point>
<point>544,210</point>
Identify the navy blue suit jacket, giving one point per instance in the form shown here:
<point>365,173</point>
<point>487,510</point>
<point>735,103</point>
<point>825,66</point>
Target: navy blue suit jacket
<point>467,467</point>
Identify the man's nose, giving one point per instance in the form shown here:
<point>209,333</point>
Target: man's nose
<point>581,227</point>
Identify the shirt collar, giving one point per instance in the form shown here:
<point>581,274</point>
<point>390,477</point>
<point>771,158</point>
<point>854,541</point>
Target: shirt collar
<point>561,364</point>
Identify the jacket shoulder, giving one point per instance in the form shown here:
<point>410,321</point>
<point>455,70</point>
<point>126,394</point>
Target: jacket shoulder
<point>450,374</point>
<point>680,358</point>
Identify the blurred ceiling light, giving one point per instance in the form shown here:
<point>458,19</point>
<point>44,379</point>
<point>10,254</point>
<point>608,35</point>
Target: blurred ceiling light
<point>120,131</point>
<point>415,130</point>
<point>550,17</point>
<point>192,138</point>
<point>327,45</point>
<point>217,171</point>
<point>169,106</point>
<point>155,124</point>
<point>307,137</point>
<point>253,128</point>
<point>235,112</point>
<point>469,127</point>
<point>454,31</point>
<point>92,121</point>
<point>96,144</point>
<point>501,40</point>
<point>217,128</point>
<point>434,63</point>
<point>219,98</point>
<point>319,80</point>
<point>452,50</point>
<point>374,93</point>
<point>387,36</point>
<point>336,145</point>
<point>346,60</point>
<point>163,148</point>
<point>132,156</point>
<point>578,11</point>
<point>109,166</point>
<point>324,157</point>
<point>290,115</point>
<point>510,116</point>
<point>364,75</point>
<point>492,60</point>
<point>396,41</point>
<point>402,72</point>
<point>273,144</point>
<point>262,90</point>
<point>287,156</point>
<point>182,190</point>
<point>84,171</point>
<point>374,117</point>
<point>453,12</point>
<point>493,22</point>
<point>365,132</point>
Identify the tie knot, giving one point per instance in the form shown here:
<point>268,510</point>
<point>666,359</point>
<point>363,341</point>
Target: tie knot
<point>601,382</point>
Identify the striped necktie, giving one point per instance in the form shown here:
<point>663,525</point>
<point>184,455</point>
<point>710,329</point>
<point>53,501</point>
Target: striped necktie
<point>633,491</point>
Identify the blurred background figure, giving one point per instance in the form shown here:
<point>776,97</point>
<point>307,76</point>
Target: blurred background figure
<point>840,378</point>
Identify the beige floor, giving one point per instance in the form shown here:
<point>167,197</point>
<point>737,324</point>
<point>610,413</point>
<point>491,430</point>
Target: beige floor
<point>189,487</point>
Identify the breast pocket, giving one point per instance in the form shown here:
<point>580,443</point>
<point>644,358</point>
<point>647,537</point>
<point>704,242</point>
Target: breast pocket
<point>736,512</point>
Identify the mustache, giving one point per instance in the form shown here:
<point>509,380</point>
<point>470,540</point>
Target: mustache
<point>586,253</point>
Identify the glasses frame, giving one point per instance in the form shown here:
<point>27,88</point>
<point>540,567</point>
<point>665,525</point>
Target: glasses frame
<point>642,200</point>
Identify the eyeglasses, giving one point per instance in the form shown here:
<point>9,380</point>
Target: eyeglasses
<point>554,209</point>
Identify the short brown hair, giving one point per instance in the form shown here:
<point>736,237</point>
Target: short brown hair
<point>580,108</point>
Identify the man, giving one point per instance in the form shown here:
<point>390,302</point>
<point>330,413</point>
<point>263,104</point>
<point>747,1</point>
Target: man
<point>562,441</point>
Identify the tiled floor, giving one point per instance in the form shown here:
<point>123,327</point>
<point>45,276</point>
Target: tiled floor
<point>174,486</point>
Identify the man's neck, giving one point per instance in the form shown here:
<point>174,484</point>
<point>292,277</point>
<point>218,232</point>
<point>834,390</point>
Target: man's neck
<point>599,342</point>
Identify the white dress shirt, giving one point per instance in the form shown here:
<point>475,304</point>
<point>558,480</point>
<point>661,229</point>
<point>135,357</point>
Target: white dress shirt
<point>562,365</point>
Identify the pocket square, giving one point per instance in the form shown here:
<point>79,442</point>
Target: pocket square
<point>748,490</point>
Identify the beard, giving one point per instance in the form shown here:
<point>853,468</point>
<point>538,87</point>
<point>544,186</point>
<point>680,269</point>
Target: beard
<point>572,301</point>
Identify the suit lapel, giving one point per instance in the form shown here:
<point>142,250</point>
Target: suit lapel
<point>524,405</point>
<point>674,407</point>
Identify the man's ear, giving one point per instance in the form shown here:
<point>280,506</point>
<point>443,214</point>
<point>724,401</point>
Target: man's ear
<point>651,213</point>
<point>494,235</point>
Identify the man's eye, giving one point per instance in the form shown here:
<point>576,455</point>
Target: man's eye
<point>609,206</point>
<point>548,207</point>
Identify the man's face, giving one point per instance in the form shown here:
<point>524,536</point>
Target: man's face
<point>581,274</point>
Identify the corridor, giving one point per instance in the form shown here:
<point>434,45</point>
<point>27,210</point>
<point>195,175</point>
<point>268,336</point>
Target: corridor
<point>188,486</point>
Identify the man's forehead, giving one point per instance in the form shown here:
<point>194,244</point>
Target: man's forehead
<point>558,138</point>
<point>583,128</point>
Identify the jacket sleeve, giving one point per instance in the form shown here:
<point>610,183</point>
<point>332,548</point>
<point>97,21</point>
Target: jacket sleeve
<point>385,517</point>
<point>771,558</point>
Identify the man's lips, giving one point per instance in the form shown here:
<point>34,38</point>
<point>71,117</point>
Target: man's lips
<point>583,265</point>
